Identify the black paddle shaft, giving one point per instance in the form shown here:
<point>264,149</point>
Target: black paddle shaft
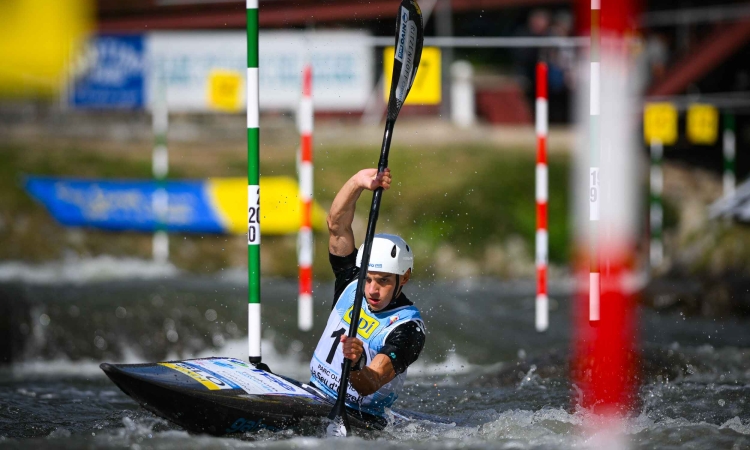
<point>370,234</point>
<point>340,408</point>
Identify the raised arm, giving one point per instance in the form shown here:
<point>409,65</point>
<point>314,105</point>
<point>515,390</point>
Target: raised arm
<point>341,215</point>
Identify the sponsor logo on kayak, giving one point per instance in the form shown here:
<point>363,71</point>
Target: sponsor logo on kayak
<point>276,380</point>
<point>238,362</point>
<point>242,425</point>
<point>367,324</point>
<point>206,379</point>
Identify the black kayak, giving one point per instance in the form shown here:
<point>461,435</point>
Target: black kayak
<point>226,395</point>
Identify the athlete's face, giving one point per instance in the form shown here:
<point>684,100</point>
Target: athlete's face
<point>380,288</point>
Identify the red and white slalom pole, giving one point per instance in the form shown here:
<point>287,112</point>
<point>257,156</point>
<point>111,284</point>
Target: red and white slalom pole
<point>305,245</point>
<point>595,191</point>
<point>542,306</point>
<point>606,355</point>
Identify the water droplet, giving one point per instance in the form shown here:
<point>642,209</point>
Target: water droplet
<point>100,343</point>
<point>296,346</point>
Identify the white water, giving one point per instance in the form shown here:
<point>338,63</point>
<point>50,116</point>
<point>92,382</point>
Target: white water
<point>290,364</point>
<point>512,429</point>
<point>76,270</point>
<point>705,408</point>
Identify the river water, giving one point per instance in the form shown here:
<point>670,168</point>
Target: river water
<point>484,366</point>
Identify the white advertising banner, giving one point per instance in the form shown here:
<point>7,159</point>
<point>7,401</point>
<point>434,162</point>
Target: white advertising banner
<point>343,67</point>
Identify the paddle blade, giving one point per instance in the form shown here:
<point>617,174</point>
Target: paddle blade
<point>337,428</point>
<point>408,53</point>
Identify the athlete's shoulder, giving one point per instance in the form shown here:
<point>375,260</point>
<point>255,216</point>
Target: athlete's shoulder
<point>401,301</point>
<point>403,344</point>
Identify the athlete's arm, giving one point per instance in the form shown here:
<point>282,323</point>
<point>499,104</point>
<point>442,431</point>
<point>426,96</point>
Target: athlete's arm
<point>345,271</point>
<point>341,215</point>
<point>400,350</point>
<point>372,377</point>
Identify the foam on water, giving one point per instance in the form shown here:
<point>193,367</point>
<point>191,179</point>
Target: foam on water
<point>290,364</point>
<point>86,270</point>
<point>548,426</point>
<point>454,364</point>
<point>702,406</point>
<point>514,428</point>
<point>62,366</point>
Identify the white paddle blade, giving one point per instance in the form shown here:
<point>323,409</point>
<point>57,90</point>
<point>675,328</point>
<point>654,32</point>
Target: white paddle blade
<point>336,428</point>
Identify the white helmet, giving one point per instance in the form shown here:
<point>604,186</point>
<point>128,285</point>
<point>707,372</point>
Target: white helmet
<point>390,254</point>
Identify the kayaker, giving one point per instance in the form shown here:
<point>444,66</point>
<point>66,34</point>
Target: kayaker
<point>391,332</point>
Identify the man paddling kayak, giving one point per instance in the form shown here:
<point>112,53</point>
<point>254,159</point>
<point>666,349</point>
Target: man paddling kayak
<point>391,333</point>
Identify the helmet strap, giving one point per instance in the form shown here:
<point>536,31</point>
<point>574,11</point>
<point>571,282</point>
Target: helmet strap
<point>398,288</point>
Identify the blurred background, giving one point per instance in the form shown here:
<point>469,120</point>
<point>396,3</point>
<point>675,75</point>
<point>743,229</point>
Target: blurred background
<point>108,106</point>
<point>84,109</point>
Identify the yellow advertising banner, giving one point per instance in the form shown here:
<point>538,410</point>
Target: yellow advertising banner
<point>225,90</point>
<point>427,87</point>
<point>660,123</point>
<point>702,124</point>
<point>280,205</point>
<point>39,41</point>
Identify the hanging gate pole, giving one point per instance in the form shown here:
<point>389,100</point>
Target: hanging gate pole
<point>305,247</point>
<point>542,302</point>
<point>253,185</point>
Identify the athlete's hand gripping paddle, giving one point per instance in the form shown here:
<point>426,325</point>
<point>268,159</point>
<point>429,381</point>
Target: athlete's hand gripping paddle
<point>408,52</point>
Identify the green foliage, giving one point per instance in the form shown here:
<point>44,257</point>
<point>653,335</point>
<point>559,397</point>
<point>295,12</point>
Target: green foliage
<point>466,197</point>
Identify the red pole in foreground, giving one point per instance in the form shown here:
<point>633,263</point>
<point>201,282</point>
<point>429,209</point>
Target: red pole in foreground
<point>542,307</point>
<point>606,354</point>
<point>305,247</point>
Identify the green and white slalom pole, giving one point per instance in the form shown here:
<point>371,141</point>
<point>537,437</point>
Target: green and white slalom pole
<point>160,168</point>
<point>729,154</point>
<point>253,186</point>
<point>594,151</point>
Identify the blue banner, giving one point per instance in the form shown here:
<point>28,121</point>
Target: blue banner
<point>116,74</point>
<point>127,205</point>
